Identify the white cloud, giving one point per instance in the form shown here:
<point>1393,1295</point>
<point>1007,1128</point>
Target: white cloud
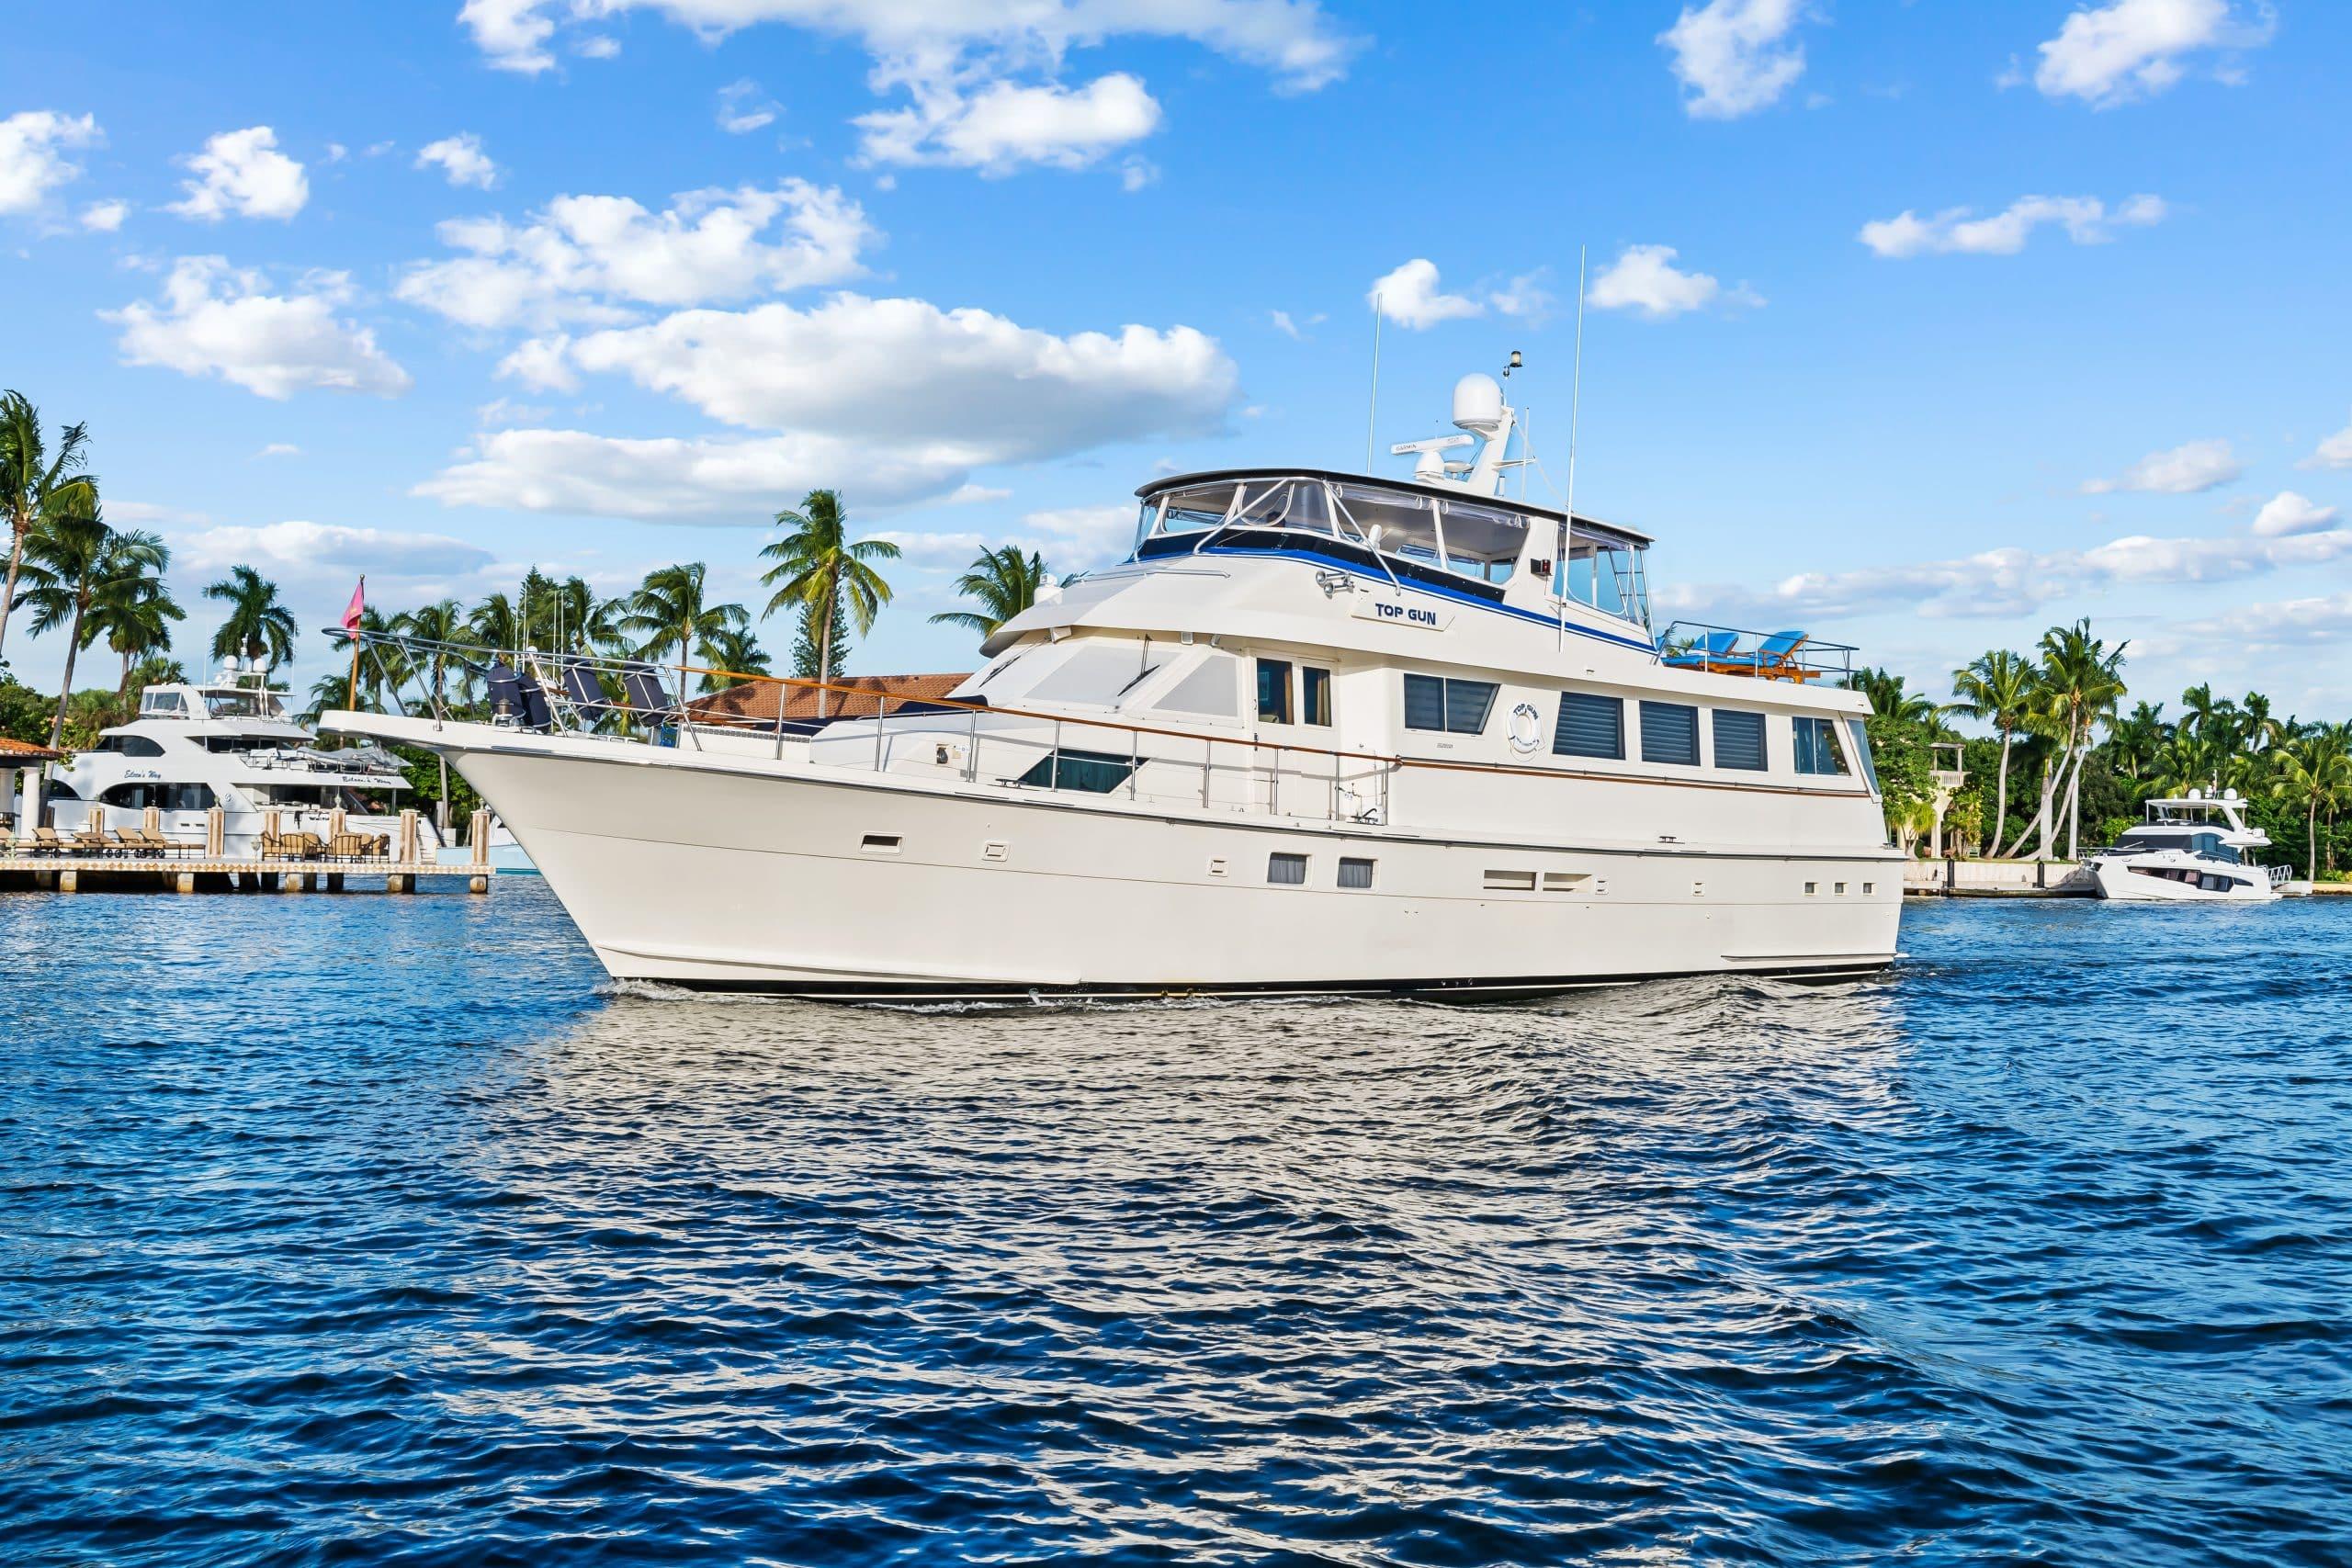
<point>148,512</point>
<point>1525,297</point>
<point>743,110</point>
<point>2130,48</point>
<point>2188,470</point>
<point>512,33</point>
<point>1070,540</point>
<point>2009,581</point>
<point>104,217</point>
<point>1733,57</point>
<point>909,398</point>
<point>939,41</point>
<point>2087,220</point>
<point>241,172</point>
<point>722,478</point>
<point>1644,279</point>
<point>33,154</point>
<point>2334,452</point>
<point>587,257</point>
<point>1003,126</point>
<point>217,321</point>
<point>1410,297</point>
<point>460,158</point>
<point>597,46</point>
<point>315,549</point>
<point>280,449</point>
<point>2284,623</point>
<point>2288,514</point>
<point>905,367</point>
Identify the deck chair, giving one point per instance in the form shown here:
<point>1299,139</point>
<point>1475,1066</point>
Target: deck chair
<point>1705,653</point>
<point>350,846</point>
<point>91,841</point>
<point>1777,656</point>
<point>45,842</point>
<point>127,841</point>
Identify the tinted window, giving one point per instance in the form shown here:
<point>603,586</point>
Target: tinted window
<point>1670,733</point>
<point>1458,706</point>
<point>1816,748</point>
<point>1315,696</point>
<point>1861,737</point>
<point>1288,870</point>
<point>1590,725</point>
<point>1355,872</point>
<point>1092,772</point>
<point>1739,740</point>
<point>1274,689</point>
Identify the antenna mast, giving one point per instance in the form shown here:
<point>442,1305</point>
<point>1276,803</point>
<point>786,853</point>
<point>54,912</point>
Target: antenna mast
<point>1576,402</point>
<point>1371,418</point>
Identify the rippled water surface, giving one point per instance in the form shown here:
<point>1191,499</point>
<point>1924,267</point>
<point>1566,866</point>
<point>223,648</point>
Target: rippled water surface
<point>341,1230</point>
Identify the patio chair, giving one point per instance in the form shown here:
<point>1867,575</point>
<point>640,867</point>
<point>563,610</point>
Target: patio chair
<point>91,841</point>
<point>45,842</point>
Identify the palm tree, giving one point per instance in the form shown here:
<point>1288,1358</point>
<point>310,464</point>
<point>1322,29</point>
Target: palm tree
<point>2135,742</point>
<point>584,622</point>
<point>1002,582</point>
<point>821,570</point>
<point>135,616</point>
<point>670,609</point>
<point>1996,688</point>
<point>442,626</point>
<point>735,650</point>
<point>495,625</point>
<point>2082,684</point>
<point>2315,773</point>
<point>257,624</point>
<point>34,491</point>
<point>70,564</point>
<point>1889,701</point>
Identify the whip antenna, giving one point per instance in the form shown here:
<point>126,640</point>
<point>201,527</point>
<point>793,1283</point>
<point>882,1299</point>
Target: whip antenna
<point>1576,402</point>
<point>1371,418</point>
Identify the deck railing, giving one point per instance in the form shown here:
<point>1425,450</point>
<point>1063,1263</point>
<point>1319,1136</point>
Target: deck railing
<point>626,701</point>
<point>1771,656</point>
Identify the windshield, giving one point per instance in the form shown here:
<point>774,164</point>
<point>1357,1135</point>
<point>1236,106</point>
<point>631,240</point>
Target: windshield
<point>242,704</point>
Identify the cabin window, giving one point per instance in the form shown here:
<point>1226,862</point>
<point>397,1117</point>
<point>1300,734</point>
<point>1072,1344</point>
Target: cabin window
<point>130,746</point>
<point>1670,733</point>
<point>161,703</point>
<point>1208,690</point>
<point>1458,707</point>
<point>1089,773</point>
<point>1354,873</point>
<point>163,796</point>
<point>1273,691</point>
<point>1094,672</point>
<point>1313,695</point>
<point>1739,740</point>
<point>1286,871</point>
<point>1861,738</point>
<point>1590,725</point>
<point>1816,748</point>
<point>1289,503</point>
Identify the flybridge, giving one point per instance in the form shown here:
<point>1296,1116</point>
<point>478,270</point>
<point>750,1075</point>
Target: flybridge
<point>1448,526</point>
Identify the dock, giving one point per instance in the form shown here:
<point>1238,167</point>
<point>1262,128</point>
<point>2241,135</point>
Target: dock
<point>176,873</point>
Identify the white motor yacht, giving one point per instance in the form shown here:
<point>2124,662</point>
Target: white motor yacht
<point>1319,733</point>
<point>2197,849</point>
<point>231,743</point>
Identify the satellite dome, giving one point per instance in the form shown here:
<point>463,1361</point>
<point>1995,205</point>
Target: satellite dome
<point>1478,403</point>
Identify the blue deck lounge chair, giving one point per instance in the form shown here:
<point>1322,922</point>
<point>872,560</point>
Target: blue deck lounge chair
<point>1707,653</point>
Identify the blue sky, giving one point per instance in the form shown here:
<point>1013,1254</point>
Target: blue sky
<point>1921,326</point>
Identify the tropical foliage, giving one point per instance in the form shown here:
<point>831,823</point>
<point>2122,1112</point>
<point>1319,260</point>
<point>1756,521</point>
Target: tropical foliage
<point>1002,582</point>
<point>820,572</point>
<point>37,489</point>
<point>259,628</point>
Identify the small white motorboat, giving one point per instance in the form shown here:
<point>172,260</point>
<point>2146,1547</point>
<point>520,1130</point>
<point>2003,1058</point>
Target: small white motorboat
<point>2196,848</point>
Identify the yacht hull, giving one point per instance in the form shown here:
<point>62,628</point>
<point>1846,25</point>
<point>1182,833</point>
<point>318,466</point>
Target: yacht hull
<point>735,877</point>
<point>2140,880</point>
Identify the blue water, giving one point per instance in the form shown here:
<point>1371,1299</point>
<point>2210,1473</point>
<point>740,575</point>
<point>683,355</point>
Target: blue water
<point>341,1231</point>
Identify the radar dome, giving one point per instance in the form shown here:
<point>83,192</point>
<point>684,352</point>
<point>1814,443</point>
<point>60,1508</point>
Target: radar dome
<point>1477,403</point>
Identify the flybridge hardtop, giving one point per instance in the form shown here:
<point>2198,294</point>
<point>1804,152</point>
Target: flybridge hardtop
<point>1319,733</point>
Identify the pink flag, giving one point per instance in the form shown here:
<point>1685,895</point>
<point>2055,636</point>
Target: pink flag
<point>358,602</point>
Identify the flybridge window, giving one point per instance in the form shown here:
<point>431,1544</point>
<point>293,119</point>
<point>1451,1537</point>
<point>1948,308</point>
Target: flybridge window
<point>1482,541</point>
<point>1193,510</point>
<point>170,703</point>
<point>1605,571</point>
<point>1401,525</point>
<point>1284,504</point>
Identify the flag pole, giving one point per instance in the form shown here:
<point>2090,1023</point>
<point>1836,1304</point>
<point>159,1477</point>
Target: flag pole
<point>360,597</point>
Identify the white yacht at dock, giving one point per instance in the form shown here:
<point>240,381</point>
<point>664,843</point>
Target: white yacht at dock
<point>228,742</point>
<point>2193,849</point>
<point>1319,733</point>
